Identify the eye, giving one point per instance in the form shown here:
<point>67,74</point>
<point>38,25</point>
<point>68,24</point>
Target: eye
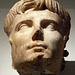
<point>51,27</point>
<point>23,27</point>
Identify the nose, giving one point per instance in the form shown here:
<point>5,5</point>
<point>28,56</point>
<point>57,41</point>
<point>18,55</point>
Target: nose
<point>38,35</point>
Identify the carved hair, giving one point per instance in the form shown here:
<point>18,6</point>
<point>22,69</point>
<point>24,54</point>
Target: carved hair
<point>23,5</point>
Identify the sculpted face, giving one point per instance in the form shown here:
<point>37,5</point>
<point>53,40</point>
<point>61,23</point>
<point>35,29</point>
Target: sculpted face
<point>37,36</point>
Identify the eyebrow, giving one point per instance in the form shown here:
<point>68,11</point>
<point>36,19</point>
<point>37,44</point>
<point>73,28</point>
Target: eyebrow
<point>24,21</point>
<point>43,22</point>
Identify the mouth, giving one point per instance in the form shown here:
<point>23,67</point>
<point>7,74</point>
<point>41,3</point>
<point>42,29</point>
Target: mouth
<point>44,46</point>
<point>38,48</point>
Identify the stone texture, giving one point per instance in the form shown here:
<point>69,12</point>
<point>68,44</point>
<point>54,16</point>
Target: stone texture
<point>38,31</point>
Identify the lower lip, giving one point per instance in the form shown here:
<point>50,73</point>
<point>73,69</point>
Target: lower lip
<point>38,49</point>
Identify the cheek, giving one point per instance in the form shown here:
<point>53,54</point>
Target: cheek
<point>19,43</point>
<point>20,39</point>
<point>53,39</point>
<point>18,51</point>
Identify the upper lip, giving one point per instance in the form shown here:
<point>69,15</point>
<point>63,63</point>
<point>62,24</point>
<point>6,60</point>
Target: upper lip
<point>44,46</point>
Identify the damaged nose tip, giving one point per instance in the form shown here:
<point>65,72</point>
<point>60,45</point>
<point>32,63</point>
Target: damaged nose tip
<point>38,36</point>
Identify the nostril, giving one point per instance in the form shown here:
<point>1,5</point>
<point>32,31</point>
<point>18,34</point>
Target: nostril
<point>38,35</point>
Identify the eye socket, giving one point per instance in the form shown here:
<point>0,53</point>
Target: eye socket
<point>51,27</point>
<point>24,25</point>
<point>45,25</point>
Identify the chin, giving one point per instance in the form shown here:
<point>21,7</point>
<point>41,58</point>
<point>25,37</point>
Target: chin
<point>36,63</point>
<point>31,56</point>
<point>39,61</point>
<point>46,65</point>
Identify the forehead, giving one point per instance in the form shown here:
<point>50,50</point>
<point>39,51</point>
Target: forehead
<point>38,15</point>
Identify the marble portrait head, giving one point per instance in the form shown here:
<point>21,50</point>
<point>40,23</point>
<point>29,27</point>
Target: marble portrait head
<point>38,31</point>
